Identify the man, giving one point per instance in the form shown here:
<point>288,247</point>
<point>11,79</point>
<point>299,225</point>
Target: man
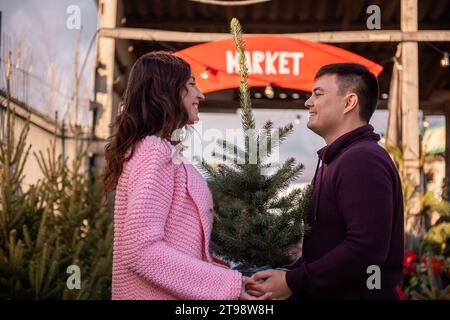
<point>355,247</point>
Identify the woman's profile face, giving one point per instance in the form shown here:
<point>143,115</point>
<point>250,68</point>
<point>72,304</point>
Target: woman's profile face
<point>191,99</point>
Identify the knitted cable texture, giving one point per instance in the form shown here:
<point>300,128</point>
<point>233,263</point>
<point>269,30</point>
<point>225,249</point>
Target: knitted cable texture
<point>162,230</point>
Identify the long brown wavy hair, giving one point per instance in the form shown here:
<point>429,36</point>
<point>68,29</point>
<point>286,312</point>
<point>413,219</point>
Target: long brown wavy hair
<point>151,104</point>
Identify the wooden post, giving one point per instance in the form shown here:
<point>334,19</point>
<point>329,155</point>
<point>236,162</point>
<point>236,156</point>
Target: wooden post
<point>410,92</point>
<point>105,95</point>
<point>447,151</point>
<point>410,122</point>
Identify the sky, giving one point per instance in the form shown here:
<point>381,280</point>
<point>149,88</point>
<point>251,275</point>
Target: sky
<point>37,32</point>
<point>39,29</point>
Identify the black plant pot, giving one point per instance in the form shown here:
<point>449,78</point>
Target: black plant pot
<point>249,271</point>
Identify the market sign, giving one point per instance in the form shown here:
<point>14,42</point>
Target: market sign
<point>281,61</point>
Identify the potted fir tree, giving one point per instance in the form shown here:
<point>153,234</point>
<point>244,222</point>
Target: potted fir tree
<point>255,226</point>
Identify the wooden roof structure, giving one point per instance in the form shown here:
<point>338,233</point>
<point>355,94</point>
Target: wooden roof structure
<point>161,23</point>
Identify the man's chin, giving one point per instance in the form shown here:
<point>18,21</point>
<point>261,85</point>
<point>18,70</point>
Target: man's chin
<point>313,127</point>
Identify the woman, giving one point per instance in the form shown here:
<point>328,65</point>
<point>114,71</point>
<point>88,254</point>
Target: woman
<point>163,208</point>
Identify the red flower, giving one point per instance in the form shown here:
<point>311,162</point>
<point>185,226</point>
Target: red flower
<point>410,257</point>
<point>436,264</point>
<point>408,262</point>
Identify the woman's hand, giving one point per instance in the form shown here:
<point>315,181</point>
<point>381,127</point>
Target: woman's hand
<point>273,281</point>
<point>247,296</point>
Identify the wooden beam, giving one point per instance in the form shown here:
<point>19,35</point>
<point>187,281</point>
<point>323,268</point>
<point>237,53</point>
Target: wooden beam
<point>329,37</point>
<point>409,88</point>
<point>447,153</point>
<point>424,7</point>
<point>408,15</point>
<point>265,25</point>
<point>321,10</point>
<point>105,72</point>
<point>389,10</point>
<point>438,9</point>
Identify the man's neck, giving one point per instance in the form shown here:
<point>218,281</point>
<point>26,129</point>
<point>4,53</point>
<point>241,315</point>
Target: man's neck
<point>329,139</point>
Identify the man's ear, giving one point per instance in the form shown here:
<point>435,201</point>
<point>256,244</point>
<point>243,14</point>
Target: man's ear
<point>351,101</point>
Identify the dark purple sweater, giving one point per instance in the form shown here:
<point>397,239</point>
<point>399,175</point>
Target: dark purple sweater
<point>356,219</point>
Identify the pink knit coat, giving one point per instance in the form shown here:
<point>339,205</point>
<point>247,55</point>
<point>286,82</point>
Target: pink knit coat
<point>162,230</point>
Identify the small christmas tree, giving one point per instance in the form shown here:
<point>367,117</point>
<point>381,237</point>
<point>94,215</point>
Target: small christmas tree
<point>53,224</point>
<point>255,225</point>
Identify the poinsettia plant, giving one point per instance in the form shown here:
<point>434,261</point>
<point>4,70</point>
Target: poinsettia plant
<point>426,277</point>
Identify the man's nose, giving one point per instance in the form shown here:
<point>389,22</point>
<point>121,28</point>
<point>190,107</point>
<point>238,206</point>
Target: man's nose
<point>308,103</point>
<point>201,96</point>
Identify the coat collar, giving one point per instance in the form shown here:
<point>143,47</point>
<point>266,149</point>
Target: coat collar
<point>329,152</point>
<point>200,194</point>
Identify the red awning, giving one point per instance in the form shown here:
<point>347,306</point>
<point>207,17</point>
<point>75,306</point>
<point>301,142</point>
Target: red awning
<point>282,61</point>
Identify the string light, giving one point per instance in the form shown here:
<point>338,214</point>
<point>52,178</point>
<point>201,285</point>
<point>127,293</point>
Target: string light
<point>297,119</point>
<point>205,74</point>
<point>445,57</point>
<point>269,92</point>
<point>445,60</point>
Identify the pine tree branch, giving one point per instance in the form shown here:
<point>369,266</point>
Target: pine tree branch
<point>248,121</point>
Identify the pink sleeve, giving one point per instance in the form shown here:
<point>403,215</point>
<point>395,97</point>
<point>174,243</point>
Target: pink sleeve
<point>150,197</point>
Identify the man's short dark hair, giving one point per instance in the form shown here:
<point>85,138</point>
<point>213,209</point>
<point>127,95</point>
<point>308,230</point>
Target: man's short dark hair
<point>354,77</point>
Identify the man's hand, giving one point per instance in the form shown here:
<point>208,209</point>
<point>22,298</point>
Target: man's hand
<point>246,281</point>
<point>273,281</point>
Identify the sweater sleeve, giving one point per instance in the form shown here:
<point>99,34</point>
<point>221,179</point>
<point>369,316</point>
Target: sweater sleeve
<point>365,200</point>
<point>151,188</point>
